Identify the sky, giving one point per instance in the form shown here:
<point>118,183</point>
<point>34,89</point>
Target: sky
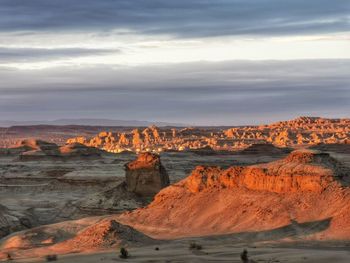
<point>223,62</point>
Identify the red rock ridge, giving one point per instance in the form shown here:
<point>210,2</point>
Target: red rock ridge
<point>299,171</point>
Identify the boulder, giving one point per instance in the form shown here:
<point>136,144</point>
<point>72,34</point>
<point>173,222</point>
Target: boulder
<point>146,176</point>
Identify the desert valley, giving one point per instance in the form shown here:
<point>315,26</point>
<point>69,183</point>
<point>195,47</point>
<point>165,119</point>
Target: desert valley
<point>172,194</point>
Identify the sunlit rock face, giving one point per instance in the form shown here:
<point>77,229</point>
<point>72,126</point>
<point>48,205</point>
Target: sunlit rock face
<point>300,171</point>
<point>301,131</point>
<point>304,187</point>
<point>146,176</point>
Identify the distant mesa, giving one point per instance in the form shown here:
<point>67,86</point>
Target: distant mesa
<point>306,186</point>
<point>146,176</point>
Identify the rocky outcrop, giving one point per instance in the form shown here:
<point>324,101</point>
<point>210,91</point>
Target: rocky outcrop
<point>300,131</point>
<point>299,171</point>
<point>146,176</point>
<point>305,187</point>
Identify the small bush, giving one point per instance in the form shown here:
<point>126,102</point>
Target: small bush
<point>123,253</point>
<point>195,246</point>
<point>51,257</point>
<point>244,256</point>
<point>156,248</point>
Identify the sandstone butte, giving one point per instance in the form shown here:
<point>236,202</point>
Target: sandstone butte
<point>146,176</point>
<point>305,187</point>
<point>307,191</point>
<point>301,131</point>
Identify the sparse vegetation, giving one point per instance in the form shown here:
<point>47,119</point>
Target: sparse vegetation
<point>123,253</point>
<point>195,246</point>
<point>244,256</point>
<point>51,257</point>
<point>9,257</point>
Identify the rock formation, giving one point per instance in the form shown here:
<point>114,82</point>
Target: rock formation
<point>146,176</point>
<point>301,131</point>
<point>300,171</point>
<point>305,187</point>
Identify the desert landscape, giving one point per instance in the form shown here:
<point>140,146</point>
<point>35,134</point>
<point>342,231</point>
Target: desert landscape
<point>280,191</point>
<point>175,131</point>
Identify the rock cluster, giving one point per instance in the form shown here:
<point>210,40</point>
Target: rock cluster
<point>146,176</point>
<point>301,131</point>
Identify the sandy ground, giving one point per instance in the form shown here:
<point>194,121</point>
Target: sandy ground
<point>220,251</point>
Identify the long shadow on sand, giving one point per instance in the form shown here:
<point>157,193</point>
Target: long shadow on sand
<point>293,230</point>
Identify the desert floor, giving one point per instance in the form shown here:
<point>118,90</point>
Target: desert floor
<point>219,250</point>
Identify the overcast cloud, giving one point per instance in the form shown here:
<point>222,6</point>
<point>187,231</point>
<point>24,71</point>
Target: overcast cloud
<point>181,17</point>
<point>188,61</point>
<point>198,93</point>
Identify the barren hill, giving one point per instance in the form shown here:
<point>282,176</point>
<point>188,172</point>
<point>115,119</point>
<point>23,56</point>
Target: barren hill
<point>304,187</point>
<point>84,235</point>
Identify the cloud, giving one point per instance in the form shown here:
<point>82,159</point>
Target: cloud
<point>182,18</point>
<point>225,93</point>
<point>9,55</point>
